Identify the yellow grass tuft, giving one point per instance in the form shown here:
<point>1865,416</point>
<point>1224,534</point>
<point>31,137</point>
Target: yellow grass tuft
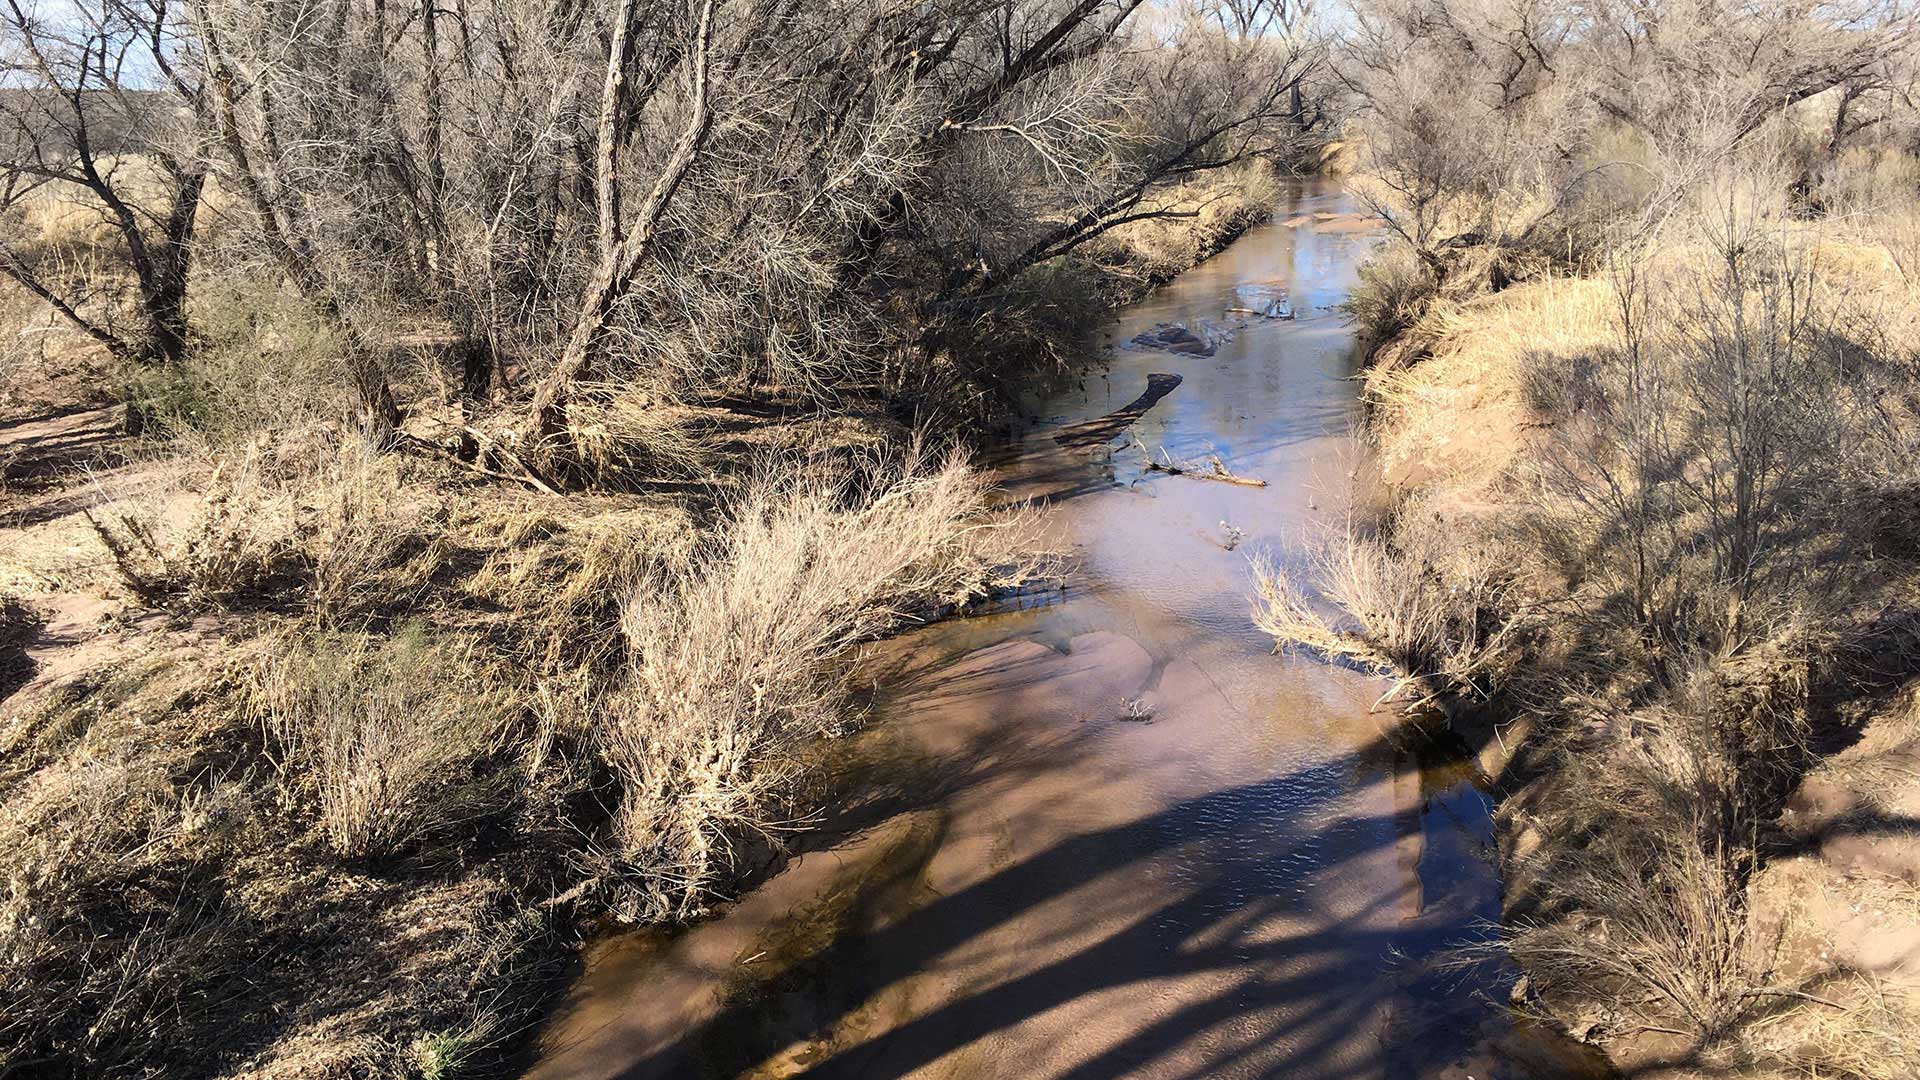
<point>738,662</point>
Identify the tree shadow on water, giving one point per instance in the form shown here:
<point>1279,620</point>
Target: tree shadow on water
<point>1216,933</point>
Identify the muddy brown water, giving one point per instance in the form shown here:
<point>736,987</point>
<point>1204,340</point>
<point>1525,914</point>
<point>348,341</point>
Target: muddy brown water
<point>1107,832</point>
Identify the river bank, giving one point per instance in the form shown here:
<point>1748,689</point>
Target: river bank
<point>1485,436</point>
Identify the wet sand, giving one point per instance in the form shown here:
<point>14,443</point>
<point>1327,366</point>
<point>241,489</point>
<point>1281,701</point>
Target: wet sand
<point>1108,833</point>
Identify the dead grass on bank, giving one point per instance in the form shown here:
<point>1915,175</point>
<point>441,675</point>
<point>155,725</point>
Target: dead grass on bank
<point>738,662</point>
<point>1588,437</point>
<point>420,713</point>
<point>1496,369</point>
<point>1208,214</point>
<point>1633,910</point>
<point>1874,1036</point>
<point>116,806</point>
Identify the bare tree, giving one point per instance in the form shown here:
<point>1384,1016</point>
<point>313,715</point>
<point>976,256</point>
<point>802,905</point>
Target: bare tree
<point>86,116</point>
<point>1254,18</point>
<point>663,201</point>
<point>625,245</point>
<point>1694,74</point>
<point>925,158</point>
<point>268,70</point>
<point>1482,114</point>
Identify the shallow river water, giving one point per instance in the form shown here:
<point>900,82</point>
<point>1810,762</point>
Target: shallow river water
<point>1109,833</point>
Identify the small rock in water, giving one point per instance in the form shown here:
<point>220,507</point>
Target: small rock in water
<point>1173,337</point>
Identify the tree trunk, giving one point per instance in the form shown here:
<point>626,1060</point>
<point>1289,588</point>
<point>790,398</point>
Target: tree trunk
<point>624,249</point>
<point>163,297</point>
<point>378,412</point>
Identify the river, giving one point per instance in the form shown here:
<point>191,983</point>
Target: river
<point>1107,832</point>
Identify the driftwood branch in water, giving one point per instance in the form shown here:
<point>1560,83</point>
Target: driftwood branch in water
<point>1104,428</point>
<point>1215,469</point>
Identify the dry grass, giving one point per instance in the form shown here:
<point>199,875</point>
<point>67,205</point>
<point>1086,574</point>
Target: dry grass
<point>1700,462</point>
<point>1869,182</point>
<point>99,942</point>
<point>1874,1036</point>
<point>395,738</point>
<point>422,741</point>
<point>421,674</point>
<point>237,541</point>
<point>62,217</point>
<point>1383,599</point>
<point>738,663</point>
<point>17,625</point>
<point>566,578</point>
<point>1496,366</point>
<point>184,845</point>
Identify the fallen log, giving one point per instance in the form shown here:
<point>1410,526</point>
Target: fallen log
<point>1215,470</point>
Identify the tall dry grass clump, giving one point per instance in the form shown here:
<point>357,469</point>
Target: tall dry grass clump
<point>1394,291</point>
<point>1204,216</point>
<point>397,740</point>
<point>1388,599</point>
<point>234,545</point>
<point>740,662</point>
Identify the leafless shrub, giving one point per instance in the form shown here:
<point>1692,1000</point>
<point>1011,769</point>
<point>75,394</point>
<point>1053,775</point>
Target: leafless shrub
<point>1388,600</point>
<point>1648,841</point>
<point>238,544</point>
<point>1454,162</point>
<point>1663,949</point>
<point>393,738</point>
<point>717,219</point>
<point>1564,141</point>
<point>330,531</point>
<point>1722,448</point>
<point>737,664</point>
